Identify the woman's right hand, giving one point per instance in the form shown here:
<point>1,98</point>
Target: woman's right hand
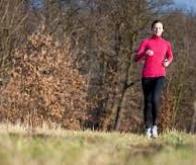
<point>150,52</point>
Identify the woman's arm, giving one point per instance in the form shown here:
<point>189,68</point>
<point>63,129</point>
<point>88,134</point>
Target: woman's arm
<point>169,54</point>
<point>140,52</point>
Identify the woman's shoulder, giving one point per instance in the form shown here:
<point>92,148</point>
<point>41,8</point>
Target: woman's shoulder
<point>166,41</point>
<point>145,40</point>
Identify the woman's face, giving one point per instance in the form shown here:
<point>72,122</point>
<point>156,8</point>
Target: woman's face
<point>157,29</point>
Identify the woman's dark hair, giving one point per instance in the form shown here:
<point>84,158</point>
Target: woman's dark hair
<point>156,21</point>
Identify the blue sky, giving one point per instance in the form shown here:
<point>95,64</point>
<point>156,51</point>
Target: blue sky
<point>182,4</point>
<point>186,4</point>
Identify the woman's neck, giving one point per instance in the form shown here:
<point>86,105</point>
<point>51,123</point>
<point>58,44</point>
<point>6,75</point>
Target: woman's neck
<point>156,37</point>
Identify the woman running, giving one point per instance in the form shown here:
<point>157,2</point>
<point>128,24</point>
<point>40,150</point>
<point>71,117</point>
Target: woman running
<point>157,55</point>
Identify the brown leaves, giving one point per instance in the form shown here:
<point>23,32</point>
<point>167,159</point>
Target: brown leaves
<point>44,85</point>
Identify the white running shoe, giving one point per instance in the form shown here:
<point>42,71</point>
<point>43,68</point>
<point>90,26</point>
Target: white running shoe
<point>148,133</point>
<point>155,131</point>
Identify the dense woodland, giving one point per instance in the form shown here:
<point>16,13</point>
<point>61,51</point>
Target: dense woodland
<point>70,63</point>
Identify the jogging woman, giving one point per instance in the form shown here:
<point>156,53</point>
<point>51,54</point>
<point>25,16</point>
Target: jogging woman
<point>157,55</point>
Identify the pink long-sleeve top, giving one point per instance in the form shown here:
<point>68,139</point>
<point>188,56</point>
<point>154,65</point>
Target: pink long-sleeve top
<point>153,65</point>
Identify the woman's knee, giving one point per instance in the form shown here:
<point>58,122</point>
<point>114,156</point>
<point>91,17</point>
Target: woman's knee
<point>155,100</point>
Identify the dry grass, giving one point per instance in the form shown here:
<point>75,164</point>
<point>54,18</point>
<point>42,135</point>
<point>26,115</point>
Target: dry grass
<point>18,145</point>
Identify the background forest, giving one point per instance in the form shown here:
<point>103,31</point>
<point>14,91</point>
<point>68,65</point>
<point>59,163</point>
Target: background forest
<point>70,63</point>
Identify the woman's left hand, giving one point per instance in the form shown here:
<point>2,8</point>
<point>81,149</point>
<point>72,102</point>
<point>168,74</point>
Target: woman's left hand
<point>166,63</point>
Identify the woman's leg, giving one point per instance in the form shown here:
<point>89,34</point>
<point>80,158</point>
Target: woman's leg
<point>156,96</point>
<point>147,86</point>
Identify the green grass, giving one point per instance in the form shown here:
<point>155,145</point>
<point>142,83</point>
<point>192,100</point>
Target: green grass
<point>95,148</point>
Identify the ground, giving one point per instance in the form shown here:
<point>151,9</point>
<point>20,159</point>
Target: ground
<point>56,146</point>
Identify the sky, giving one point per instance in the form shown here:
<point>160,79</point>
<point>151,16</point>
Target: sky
<point>186,4</point>
<point>182,4</point>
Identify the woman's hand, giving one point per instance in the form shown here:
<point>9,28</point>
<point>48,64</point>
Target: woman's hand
<point>165,63</point>
<point>150,52</point>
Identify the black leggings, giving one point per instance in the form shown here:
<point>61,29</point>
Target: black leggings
<point>152,87</point>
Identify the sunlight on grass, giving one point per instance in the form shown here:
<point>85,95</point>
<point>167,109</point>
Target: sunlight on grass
<point>57,146</point>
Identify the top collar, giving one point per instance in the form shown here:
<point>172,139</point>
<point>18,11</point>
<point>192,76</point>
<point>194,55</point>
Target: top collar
<point>156,37</point>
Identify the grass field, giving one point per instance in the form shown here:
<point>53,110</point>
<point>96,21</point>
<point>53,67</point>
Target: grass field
<point>55,146</point>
